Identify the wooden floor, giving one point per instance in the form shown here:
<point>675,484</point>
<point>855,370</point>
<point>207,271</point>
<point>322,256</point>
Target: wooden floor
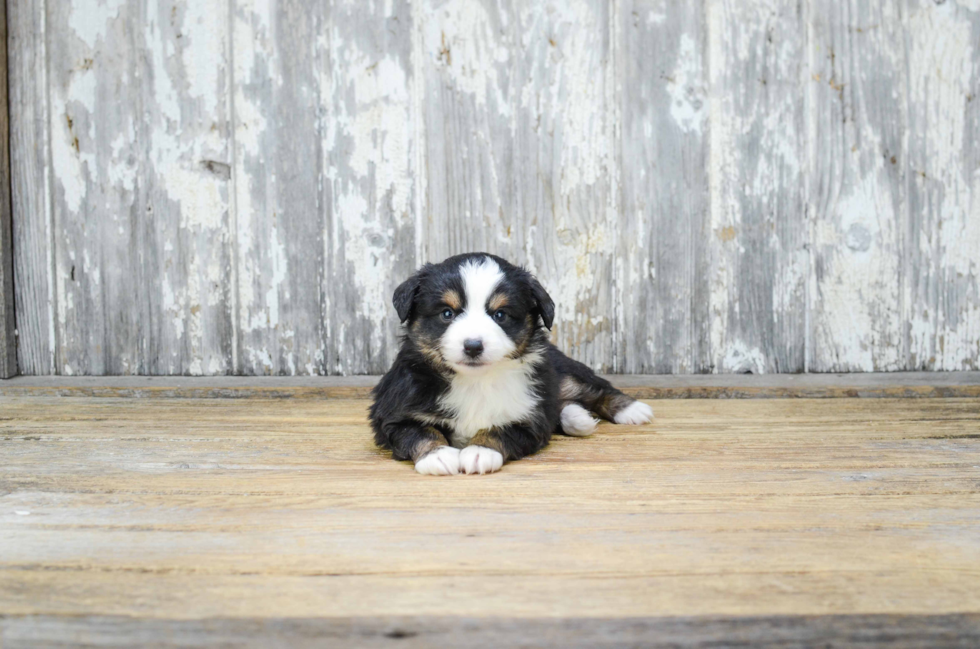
<point>254,521</point>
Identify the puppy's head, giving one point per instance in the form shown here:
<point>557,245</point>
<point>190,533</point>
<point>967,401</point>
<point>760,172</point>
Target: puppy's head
<point>473,311</point>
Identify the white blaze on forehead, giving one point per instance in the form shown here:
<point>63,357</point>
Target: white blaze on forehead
<point>498,392</point>
<point>480,278</point>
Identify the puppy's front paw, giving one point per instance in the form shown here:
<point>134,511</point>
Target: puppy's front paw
<point>635,413</point>
<point>480,459</point>
<point>442,461</point>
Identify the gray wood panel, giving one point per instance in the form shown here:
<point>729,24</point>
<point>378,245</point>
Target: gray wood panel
<point>183,220</point>
<point>520,120</point>
<point>236,187</point>
<point>279,241</point>
<point>35,300</point>
<point>567,119</point>
<point>134,250</point>
<point>661,261</point>
<point>371,167</point>
<point>857,185</point>
<point>941,265</point>
<point>8,339</point>
<point>756,244</point>
<point>324,185</point>
<point>94,125</point>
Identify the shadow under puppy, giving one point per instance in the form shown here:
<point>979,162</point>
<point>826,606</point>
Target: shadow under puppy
<point>477,372</point>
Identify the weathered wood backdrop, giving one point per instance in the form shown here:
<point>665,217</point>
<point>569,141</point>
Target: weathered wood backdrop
<point>236,186</point>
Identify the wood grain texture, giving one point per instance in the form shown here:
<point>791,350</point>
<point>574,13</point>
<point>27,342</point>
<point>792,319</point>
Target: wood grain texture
<point>756,245</point>
<point>520,120</point>
<point>858,188</point>
<point>661,260</point>
<point>35,299</point>
<point>8,325</point>
<point>139,206</point>
<point>942,234</point>
<point>185,198</point>
<point>94,262</point>
<point>264,509</point>
<point>236,187</point>
<point>371,164</point>
<point>279,230</point>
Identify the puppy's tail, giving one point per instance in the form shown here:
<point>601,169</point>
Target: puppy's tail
<point>579,384</point>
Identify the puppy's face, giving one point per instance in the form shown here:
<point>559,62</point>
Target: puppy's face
<point>471,312</point>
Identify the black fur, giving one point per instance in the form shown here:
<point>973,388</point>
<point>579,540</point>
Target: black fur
<point>406,415</point>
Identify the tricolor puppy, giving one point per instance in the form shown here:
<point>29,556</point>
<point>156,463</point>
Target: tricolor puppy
<point>477,382</point>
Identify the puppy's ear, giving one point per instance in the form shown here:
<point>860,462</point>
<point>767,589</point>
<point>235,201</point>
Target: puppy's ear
<point>404,298</point>
<point>545,305</point>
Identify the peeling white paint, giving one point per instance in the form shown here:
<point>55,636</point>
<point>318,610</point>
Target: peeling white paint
<point>546,71</point>
<point>172,309</point>
<point>461,38</point>
<point>380,131</point>
<point>742,359</point>
<point>371,110</point>
<point>566,84</point>
<point>90,20</point>
<point>280,268</point>
<point>942,312</point>
<point>123,165</point>
<point>859,296</point>
<point>71,155</point>
<point>576,270</point>
<point>725,212</point>
<point>252,43</point>
<point>183,134</point>
<point>688,95</point>
<point>941,78</point>
<point>203,51</point>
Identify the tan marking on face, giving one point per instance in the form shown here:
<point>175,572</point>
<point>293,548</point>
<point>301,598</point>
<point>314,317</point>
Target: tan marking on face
<point>430,349</point>
<point>523,340</point>
<point>426,446</point>
<point>498,301</point>
<point>452,300</point>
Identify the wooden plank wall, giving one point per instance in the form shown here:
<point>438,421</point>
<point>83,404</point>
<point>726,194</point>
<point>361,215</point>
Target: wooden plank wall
<point>8,335</point>
<point>236,187</point>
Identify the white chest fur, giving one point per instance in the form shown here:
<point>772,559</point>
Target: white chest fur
<point>500,396</point>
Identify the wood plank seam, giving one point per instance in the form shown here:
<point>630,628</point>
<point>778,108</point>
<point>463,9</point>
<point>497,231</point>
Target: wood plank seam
<point>909,385</point>
<point>8,323</point>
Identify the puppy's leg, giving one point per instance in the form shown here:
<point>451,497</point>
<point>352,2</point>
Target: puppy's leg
<point>424,445</point>
<point>580,386</point>
<point>488,450</point>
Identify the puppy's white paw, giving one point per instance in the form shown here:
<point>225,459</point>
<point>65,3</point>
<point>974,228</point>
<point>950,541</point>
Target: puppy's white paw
<point>635,413</point>
<point>576,421</point>
<point>480,459</point>
<point>442,461</point>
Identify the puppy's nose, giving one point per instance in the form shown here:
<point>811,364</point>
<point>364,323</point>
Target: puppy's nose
<point>473,347</point>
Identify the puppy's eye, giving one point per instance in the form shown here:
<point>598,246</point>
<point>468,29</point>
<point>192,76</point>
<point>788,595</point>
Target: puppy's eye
<point>447,314</point>
<point>499,316</point>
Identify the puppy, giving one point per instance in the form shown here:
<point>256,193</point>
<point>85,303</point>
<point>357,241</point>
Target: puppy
<point>477,382</point>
